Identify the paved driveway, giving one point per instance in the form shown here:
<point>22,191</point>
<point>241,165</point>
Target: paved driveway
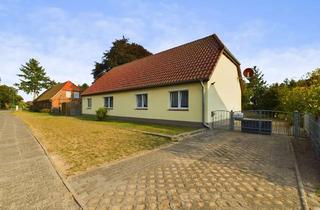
<point>27,179</point>
<point>221,169</point>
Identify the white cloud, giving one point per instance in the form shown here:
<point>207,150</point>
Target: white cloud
<point>68,44</point>
<point>249,43</point>
<point>278,64</point>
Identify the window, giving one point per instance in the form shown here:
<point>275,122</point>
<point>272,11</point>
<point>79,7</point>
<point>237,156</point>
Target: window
<point>142,100</point>
<point>108,102</point>
<point>89,103</point>
<point>76,95</point>
<point>68,94</point>
<point>179,99</point>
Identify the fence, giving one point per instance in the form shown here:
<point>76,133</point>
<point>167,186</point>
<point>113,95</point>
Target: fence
<point>260,121</point>
<point>312,127</point>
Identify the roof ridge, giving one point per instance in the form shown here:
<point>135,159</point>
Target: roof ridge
<point>182,45</point>
<point>50,89</point>
<point>188,62</point>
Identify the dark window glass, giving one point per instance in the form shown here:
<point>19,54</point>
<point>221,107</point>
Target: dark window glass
<point>142,100</point>
<point>111,101</point>
<point>184,98</point>
<point>108,102</point>
<point>89,102</point>
<point>139,100</point>
<point>145,100</point>
<point>174,99</point>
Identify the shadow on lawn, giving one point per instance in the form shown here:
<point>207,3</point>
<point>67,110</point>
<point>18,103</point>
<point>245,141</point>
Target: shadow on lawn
<point>135,124</point>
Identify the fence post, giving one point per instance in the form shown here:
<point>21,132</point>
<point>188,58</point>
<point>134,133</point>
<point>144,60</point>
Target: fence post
<point>231,123</point>
<point>296,124</point>
<point>260,123</point>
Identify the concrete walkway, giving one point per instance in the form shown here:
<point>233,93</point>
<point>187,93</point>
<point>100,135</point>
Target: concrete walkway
<point>27,178</point>
<point>227,170</point>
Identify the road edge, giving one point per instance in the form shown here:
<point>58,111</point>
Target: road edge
<point>302,193</point>
<point>60,175</point>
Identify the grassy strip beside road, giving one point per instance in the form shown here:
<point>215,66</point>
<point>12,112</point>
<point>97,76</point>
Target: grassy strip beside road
<point>78,144</point>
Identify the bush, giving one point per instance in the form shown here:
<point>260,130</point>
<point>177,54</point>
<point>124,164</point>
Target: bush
<point>33,108</point>
<point>101,114</point>
<point>45,110</point>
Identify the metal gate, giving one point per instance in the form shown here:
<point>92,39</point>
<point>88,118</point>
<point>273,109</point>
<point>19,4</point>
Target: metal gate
<point>259,121</point>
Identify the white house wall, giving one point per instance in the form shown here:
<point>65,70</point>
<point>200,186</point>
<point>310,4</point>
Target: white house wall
<point>224,89</point>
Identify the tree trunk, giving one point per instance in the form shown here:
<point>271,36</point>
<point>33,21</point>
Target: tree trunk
<point>35,95</point>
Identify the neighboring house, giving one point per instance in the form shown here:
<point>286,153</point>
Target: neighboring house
<point>180,85</point>
<point>62,98</point>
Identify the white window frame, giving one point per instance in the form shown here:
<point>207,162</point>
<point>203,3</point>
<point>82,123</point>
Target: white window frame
<point>68,94</point>
<point>76,94</point>
<point>142,101</point>
<point>89,99</point>
<point>179,100</point>
<point>108,102</point>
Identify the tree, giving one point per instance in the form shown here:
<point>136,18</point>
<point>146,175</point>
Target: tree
<point>271,97</point>
<point>313,100</point>
<point>83,86</point>
<point>9,97</point>
<point>33,78</point>
<point>121,52</point>
<point>293,99</point>
<point>302,95</point>
<point>313,78</point>
<point>254,91</point>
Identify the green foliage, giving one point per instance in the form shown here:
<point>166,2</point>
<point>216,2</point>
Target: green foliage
<point>271,99</point>
<point>45,110</point>
<point>302,95</point>
<point>121,52</point>
<point>23,105</point>
<point>101,114</point>
<point>293,99</point>
<point>313,101</point>
<point>83,86</point>
<point>9,97</point>
<point>33,78</point>
<point>313,78</point>
<point>254,91</point>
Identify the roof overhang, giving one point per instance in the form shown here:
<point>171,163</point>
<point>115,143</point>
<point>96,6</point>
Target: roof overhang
<point>147,86</point>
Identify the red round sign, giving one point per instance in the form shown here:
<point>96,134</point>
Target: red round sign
<point>248,72</point>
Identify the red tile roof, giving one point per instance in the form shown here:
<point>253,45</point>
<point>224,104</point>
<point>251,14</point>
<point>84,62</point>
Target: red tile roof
<point>190,62</point>
<point>49,93</point>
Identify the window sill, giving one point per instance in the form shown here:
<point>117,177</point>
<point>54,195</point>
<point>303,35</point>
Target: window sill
<point>178,109</point>
<point>88,107</point>
<point>109,108</point>
<point>141,108</point>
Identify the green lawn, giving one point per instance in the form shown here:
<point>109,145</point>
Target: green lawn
<point>79,143</point>
<point>149,127</point>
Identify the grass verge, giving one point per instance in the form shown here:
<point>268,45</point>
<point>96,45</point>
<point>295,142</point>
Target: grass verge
<point>77,144</point>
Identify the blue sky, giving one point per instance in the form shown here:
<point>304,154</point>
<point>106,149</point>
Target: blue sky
<point>280,37</point>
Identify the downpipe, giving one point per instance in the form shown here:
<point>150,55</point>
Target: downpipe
<point>203,106</point>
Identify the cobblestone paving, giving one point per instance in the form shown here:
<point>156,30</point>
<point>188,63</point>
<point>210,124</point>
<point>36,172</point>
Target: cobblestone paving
<point>226,170</point>
<point>27,179</point>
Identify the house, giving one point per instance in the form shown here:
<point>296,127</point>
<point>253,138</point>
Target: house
<point>62,98</point>
<point>181,85</point>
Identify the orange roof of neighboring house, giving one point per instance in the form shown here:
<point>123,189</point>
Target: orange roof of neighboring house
<point>48,94</point>
<point>190,62</point>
